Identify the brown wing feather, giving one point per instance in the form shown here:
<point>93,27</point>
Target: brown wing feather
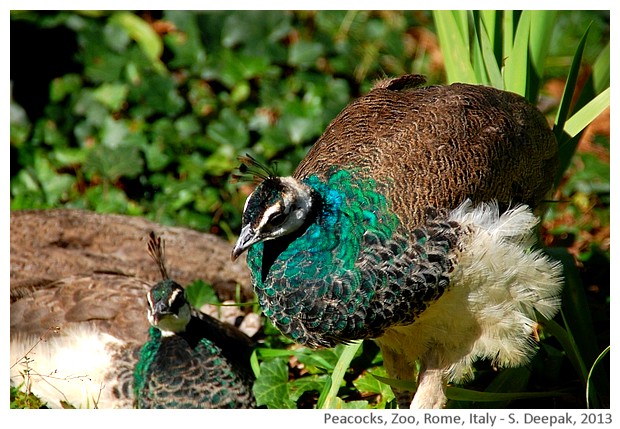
<point>115,304</point>
<point>436,146</point>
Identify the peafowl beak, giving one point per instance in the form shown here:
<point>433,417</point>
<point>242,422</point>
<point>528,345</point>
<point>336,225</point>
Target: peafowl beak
<point>247,237</point>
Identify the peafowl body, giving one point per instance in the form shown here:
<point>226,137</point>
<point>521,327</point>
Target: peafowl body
<point>187,360</point>
<point>409,222</point>
<point>191,360</point>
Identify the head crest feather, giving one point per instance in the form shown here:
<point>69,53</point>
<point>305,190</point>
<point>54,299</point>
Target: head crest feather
<point>252,170</point>
<point>157,250</point>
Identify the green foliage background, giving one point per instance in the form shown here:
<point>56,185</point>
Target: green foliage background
<point>145,113</point>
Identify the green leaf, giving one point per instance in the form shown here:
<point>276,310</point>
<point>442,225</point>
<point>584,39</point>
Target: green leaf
<point>601,70</point>
<point>200,293</point>
<point>315,382</point>
<point>114,133</point>
<point>398,384</point>
<point>541,30</point>
<point>63,86</point>
<point>590,391</point>
<point>491,21</point>
<point>478,60</point>
<point>510,380</point>
<point>352,405</point>
<point>254,363</point>
<point>114,162</point>
<point>588,113</point>
<point>107,199</point>
<point>569,90</point>
<point>305,53</point>
<point>453,37</point>
<point>111,95</point>
<point>147,39</point>
<point>271,388</point>
<point>578,316</point>
<point>508,27</point>
<point>229,130</point>
<point>518,58</point>
<point>460,394</point>
<point>368,383</point>
<point>490,62</point>
<point>318,360</point>
<point>568,344</point>
<point>330,399</point>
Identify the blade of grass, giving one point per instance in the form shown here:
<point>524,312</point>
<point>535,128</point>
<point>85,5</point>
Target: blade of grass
<point>455,45</point>
<point>601,70</point>
<point>575,311</point>
<point>517,59</point>
<point>327,387</point>
<point>491,20</point>
<point>541,28</point>
<point>510,380</point>
<point>254,364</point>
<point>461,394</point>
<point>569,90</point>
<point>566,143</point>
<point>477,58</point>
<point>330,399</point>
<point>567,342</point>
<point>508,25</point>
<point>490,61</point>
<point>588,383</point>
<point>580,120</point>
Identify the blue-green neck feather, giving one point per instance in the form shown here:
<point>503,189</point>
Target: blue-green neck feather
<point>148,354</point>
<point>177,372</point>
<point>342,277</point>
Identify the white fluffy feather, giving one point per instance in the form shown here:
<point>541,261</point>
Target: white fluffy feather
<point>489,311</point>
<point>70,366</point>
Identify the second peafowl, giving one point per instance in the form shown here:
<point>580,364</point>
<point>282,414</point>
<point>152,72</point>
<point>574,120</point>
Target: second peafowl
<point>191,360</point>
<point>410,221</point>
<point>99,356</point>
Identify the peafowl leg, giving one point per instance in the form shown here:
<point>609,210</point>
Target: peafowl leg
<point>431,391</point>
<point>398,368</point>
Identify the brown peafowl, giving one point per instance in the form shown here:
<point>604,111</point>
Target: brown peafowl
<point>410,221</point>
<point>108,353</point>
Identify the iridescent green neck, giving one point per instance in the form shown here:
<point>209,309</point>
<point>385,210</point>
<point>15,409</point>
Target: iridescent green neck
<point>148,353</point>
<point>311,268</point>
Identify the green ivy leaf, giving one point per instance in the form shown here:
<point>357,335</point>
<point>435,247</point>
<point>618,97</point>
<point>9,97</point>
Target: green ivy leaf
<point>114,162</point>
<point>200,293</point>
<point>305,384</point>
<point>368,383</point>
<point>111,95</point>
<point>271,388</point>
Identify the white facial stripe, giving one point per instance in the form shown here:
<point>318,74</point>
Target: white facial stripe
<point>265,219</point>
<point>245,205</point>
<point>174,294</point>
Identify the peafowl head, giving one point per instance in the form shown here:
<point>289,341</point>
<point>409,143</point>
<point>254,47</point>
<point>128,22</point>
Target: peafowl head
<point>168,308</point>
<point>277,207</point>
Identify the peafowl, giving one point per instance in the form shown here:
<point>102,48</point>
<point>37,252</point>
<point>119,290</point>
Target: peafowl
<point>410,221</point>
<point>176,357</point>
<point>191,360</point>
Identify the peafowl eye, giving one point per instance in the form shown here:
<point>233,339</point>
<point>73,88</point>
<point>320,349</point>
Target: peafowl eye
<point>410,221</point>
